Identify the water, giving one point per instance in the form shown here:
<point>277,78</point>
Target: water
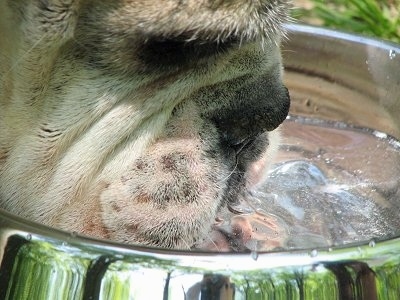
<point>392,54</point>
<point>331,184</point>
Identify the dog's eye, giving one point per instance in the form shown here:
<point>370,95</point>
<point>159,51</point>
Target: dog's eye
<point>167,54</point>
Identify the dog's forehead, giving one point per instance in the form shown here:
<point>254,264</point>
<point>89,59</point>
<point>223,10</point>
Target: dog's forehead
<point>195,19</point>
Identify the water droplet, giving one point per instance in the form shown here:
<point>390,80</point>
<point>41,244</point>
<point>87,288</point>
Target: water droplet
<point>380,135</point>
<point>254,255</point>
<point>392,54</point>
<point>314,253</point>
<point>330,249</point>
<point>372,244</point>
<point>29,237</point>
<point>359,250</point>
<point>367,62</point>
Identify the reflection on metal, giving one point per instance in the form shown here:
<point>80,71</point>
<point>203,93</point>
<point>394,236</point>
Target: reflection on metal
<point>94,277</point>
<point>356,280</point>
<point>212,287</point>
<point>42,268</point>
<point>41,263</point>
<point>166,286</point>
<point>10,252</point>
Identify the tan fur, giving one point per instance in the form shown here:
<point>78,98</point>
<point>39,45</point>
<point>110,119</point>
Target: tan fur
<point>123,119</point>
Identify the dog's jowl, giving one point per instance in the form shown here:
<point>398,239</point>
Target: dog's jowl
<point>137,120</point>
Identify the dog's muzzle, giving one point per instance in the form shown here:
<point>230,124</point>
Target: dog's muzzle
<point>259,106</point>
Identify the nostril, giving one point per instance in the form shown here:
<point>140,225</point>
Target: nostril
<point>237,135</point>
<point>239,130</point>
<point>242,144</point>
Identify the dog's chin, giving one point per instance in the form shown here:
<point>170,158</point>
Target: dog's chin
<point>170,197</point>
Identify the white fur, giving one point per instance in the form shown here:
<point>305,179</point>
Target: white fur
<point>70,134</point>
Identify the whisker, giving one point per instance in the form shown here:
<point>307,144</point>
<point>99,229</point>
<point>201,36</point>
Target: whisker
<point>26,53</point>
<point>21,58</point>
<point>188,247</point>
<point>231,173</point>
<point>215,245</point>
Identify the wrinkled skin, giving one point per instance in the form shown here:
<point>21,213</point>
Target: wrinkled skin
<point>137,120</point>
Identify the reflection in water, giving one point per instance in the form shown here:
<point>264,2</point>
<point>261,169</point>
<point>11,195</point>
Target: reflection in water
<point>332,184</point>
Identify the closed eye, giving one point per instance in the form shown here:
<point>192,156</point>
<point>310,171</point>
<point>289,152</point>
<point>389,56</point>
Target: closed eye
<point>163,54</point>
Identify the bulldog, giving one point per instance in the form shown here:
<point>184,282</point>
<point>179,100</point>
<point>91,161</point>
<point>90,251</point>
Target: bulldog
<point>137,120</point>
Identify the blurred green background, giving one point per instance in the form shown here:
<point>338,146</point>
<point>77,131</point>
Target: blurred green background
<point>369,17</point>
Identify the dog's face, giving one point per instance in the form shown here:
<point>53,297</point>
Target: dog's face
<point>136,120</point>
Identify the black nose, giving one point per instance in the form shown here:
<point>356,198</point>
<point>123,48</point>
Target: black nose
<point>262,105</point>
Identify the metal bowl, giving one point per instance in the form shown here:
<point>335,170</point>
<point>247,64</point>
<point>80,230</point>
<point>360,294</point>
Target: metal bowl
<point>351,79</point>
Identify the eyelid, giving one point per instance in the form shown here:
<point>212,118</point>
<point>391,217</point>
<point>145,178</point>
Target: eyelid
<point>171,53</point>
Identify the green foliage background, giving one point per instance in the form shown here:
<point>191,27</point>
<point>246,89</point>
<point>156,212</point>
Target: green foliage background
<point>370,17</point>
